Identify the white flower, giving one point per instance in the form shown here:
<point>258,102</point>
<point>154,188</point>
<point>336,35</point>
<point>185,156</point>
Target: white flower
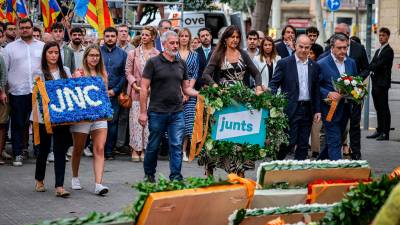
<point>339,79</point>
<point>60,100</point>
<point>346,82</point>
<point>354,82</point>
<point>87,98</point>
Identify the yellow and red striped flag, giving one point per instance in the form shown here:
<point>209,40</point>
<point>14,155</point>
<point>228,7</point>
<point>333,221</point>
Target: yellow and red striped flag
<point>96,12</point>
<point>50,10</point>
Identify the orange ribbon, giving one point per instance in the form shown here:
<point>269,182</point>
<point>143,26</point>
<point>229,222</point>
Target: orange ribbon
<point>250,185</point>
<point>395,173</point>
<point>40,88</point>
<point>199,134</point>
<point>312,197</point>
<point>332,110</point>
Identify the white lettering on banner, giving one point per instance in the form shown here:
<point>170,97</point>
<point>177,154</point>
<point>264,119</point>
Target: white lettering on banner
<point>78,97</point>
<point>238,124</point>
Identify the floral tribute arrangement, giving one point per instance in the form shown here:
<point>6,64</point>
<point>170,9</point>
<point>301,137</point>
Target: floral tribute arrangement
<point>306,165</point>
<point>69,101</point>
<point>361,204</point>
<point>213,99</point>
<point>350,87</point>
<point>131,214</point>
<point>239,215</point>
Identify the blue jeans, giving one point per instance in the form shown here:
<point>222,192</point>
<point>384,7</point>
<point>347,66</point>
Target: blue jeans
<point>112,126</point>
<point>174,124</point>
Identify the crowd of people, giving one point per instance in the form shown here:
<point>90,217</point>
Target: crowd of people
<point>175,64</point>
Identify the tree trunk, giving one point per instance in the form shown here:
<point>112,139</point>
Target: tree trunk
<point>261,15</point>
<point>319,20</point>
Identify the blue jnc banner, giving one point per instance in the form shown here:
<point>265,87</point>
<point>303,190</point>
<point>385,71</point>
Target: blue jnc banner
<point>78,99</point>
<point>240,125</point>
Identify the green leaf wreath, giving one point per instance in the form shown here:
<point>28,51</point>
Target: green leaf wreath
<point>220,97</point>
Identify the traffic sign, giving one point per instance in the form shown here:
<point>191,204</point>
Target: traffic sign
<point>333,5</point>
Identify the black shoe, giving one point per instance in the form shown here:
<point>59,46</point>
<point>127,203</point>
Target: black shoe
<point>356,156</point>
<point>150,178</point>
<point>383,137</point>
<point>374,135</point>
<point>314,154</point>
<point>110,157</point>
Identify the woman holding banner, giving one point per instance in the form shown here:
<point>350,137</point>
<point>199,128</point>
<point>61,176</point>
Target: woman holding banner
<point>137,58</point>
<point>229,64</point>
<point>92,66</point>
<point>51,69</point>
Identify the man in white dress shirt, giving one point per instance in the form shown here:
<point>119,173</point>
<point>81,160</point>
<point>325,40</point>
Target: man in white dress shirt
<point>23,57</point>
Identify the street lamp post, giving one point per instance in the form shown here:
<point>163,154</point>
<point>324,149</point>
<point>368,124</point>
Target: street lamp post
<point>369,4</point>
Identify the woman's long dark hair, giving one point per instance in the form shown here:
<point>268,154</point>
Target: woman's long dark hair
<point>45,66</point>
<point>263,53</point>
<point>219,52</point>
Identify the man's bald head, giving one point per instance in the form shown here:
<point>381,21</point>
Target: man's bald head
<point>303,46</point>
<point>342,28</point>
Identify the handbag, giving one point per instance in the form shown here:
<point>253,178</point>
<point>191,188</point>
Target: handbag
<point>125,100</point>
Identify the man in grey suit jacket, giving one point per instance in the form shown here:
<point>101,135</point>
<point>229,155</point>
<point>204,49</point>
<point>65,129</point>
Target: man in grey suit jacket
<point>67,54</point>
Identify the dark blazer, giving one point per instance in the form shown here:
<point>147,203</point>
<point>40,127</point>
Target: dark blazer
<point>69,58</point>
<point>359,55</point>
<point>328,73</point>
<point>286,77</point>
<point>281,49</point>
<point>158,44</point>
<point>202,65</point>
<point>381,66</point>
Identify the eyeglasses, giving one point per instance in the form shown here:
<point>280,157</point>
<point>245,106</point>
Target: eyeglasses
<point>94,55</point>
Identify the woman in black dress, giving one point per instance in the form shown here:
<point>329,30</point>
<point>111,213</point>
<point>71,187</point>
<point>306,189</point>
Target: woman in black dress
<point>230,64</point>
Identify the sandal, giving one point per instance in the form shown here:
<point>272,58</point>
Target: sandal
<point>62,194</point>
<point>39,187</point>
<point>135,157</point>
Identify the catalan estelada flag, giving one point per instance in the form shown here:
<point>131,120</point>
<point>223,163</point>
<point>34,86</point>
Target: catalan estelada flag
<point>50,11</point>
<point>21,10</point>
<point>96,13</point>
<point>10,11</point>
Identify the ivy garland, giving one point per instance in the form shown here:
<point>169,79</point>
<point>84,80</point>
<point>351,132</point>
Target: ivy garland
<point>220,97</point>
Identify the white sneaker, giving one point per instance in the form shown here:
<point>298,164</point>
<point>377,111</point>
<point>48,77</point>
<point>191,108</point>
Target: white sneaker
<point>75,183</point>
<point>50,157</point>
<point>100,189</point>
<point>87,152</point>
<point>69,152</point>
<point>185,158</point>
<point>18,160</point>
<point>5,155</point>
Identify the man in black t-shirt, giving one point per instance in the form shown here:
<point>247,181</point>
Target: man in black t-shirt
<point>166,76</point>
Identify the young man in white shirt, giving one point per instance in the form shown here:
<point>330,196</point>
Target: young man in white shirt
<point>23,57</point>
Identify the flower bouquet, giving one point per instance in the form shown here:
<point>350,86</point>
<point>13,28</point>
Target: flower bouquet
<point>351,87</point>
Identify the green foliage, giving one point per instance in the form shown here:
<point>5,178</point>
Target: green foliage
<point>146,188</point>
<point>219,97</point>
<point>361,204</point>
<point>91,218</point>
<point>241,5</point>
<point>197,5</point>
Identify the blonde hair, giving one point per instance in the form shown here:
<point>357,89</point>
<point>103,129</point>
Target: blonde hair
<point>100,68</point>
<point>181,31</point>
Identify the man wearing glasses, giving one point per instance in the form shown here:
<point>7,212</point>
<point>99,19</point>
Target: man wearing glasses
<point>163,26</point>
<point>23,57</point>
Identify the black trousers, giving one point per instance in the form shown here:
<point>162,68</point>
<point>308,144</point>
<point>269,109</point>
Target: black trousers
<point>381,104</point>
<point>352,112</point>
<point>60,147</point>
<point>299,132</point>
<point>21,108</point>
